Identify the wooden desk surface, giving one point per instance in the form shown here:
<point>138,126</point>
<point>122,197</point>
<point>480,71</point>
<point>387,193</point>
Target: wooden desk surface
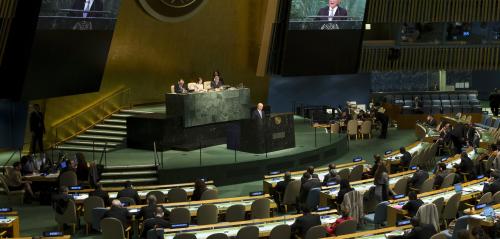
<point>372,232</point>
<point>12,226</point>
<point>148,187</point>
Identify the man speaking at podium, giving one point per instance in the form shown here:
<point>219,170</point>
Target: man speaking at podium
<point>87,8</point>
<point>332,12</point>
<point>259,112</point>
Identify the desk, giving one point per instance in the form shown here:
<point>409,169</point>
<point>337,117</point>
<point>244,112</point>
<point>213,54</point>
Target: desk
<point>381,233</point>
<point>393,158</point>
<point>36,177</point>
<point>11,224</point>
<point>231,228</point>
<point>270,181</point>
<point>209,107</point>
<point>483,220</point>
<point>329,194</point>
<point>471,190</point>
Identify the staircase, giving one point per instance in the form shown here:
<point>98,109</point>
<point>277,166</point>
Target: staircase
<point>107,135</point>
<point>113,176</point>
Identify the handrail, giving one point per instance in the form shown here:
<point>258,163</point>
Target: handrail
<point>90,107</point>
<point>12,155</point>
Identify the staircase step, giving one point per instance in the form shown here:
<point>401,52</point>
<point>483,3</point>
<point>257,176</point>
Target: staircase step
<point>107,132</point>
<point>118,115</point>
<point>115,174</point>
<point>111,126</point>
<point>95,143</point>
<point>115,121</point>
<point>82,148</point>
<point>135,112</point>
<point>100,137</point>
<point>131,167</point>
<point>133,180</point>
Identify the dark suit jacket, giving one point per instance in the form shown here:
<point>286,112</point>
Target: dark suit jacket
<point>405,159</point>
<point>148,212</point>
<point>102,194</point>
<point>256,115</point>
<point>412,206</point>
<point>303,223</point>
<point>466,166</point>
<point>281,186</point>
<point>37,124</point>
<point>302,180</point>
<point>153,223</point>
<point>326,10</point>
<point>197,194</point>
<point>218,85</point>
<point>178,89</point>
<point>130,193</point>
<point>307,186</point>
<point>418,178</point>
<point>329,178</point>
<point>119,213</point>
<point>423,231</point>
<point>493,187</point>
<point>80,5</point>
<point>432,123</point>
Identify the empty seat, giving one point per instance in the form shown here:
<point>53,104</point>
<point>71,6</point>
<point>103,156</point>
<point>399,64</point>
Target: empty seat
<point>463,97</point>
<point>260,208</point>
<point>435,97</point>
<point>436,103</point>
<point>453,97</point>
<point>177,195</point>
<point>426,97</point>
<point>444,97</point>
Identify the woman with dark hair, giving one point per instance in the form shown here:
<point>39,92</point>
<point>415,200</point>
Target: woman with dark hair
<point>381,181</point>
<point>199,188</point>
<point>82,168</point>
<point>345,187</point>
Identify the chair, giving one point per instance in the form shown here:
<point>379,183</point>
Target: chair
<point>354,201</point>
<point>235,213</point>
<point>280,231</point>
<point>155,233</point>
<point>14,197</point>
<point>112,228</point>
<point>160,196</point>
<point>448,180</point>
<point>312,200</point>
<point>260,208</point>
<point>209,194</point>
<point>344,173</point>
<point>177,195</point>
<point>366,129</point>
<point>218,236</point>
<point>356,173</point>
<point>185,236</point>
<point>68,179</point>
<point>127,200</point>
<point>315,232</point>
<point>451,208</point>
<point>379,217</point>
<point>172,89</point>
<point>180,215</point>
<point>427,186</point>
<point>248,232</point>
<point>369,205</point>
<point>352,128</point>
<point>428,214</point>
<point>485,199</point>
<point>496,197</point>
<point>88,205</point>
<point>69,217</point>
<point>335,128</point>
<point>401,186</point>
<point>207,214</point>
<point>439,202</point>
<point>461,224</point>
<point>346,227</point>
<point>292,191</point>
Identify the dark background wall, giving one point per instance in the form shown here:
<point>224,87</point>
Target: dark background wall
<point>317,90</point>
<point>13,116</point>
<point>484,82</point>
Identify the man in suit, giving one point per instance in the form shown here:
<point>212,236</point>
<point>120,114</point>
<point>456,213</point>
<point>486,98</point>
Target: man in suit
<point>216,82</point>
<point>117,211</point>
<point>148,211</point>
<point>280,188</point>
<point>384,121</point>
<point>494,101</point>
<point>259,112</point>
<point>87,8</point>
<point>332,12</point>
<point>419,231</point>
<point>37,128</point>
<point>180,88</point>
<point>466,166</point>
<point>99,192</point>
<point>457,136</point>
<point>418,178</point>
<point>309,183</point>
<point>493,184</point>
<point>304,222</point>
<point>470,135</point>
<point>310,171</point>
<point>129,192</point>
<point>155,222</point>
<point>431,121</point>
<point>405,157</point>
<point>413,204</point>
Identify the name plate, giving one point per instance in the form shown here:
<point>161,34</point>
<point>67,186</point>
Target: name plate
<point>279,135</point>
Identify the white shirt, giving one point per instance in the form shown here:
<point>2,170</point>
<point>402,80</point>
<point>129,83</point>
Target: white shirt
<point>331,12</point>
<point>87,7</point>
<point>260,113</point>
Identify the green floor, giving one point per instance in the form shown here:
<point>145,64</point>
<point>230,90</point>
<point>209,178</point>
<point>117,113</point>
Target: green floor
<point>35,218</point>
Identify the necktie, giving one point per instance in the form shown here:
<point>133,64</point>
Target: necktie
<point>330,14</point>
<point>86,9</point>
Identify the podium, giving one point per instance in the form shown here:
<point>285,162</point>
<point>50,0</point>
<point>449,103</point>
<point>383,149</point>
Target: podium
<point>257,136</point>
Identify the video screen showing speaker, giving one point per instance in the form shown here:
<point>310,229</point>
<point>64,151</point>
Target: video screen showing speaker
<point>326,14</point>
<point>78,14</point>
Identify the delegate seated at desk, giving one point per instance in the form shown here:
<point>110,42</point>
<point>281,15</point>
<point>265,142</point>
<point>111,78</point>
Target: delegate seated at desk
<point>179,87</point>
<point>216,82</point>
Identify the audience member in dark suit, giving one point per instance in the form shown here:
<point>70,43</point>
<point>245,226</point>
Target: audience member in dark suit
<point>129,192</point>
<point>280,188</point>
<point>493,184</point>
<point>217,80</point>
<point>99,192</point>
<point>259,112</point>
<point>466,166</point>
<point>404,160</point>
<point>308,184</point>
<point>331,177</point>
<point>371,172</point>
<point>155,222</point>
<point>199,188</point>
<point>309,170</point>
<point>413,204</point>
<point>419,231</point>
<point>418,178</point>
<point>148,211</point>
<point>80,6</point>
<point>304,222</point>
<point>180,88</point>
<point>431,122</point>
<point>457,136</point>
<point>384,121</point>
<point>37,128</point>
<point>440,174</point>
<point>345,187</point>
<point>117,211</point>
<point>470,135</point>
<point>332,12</point>
<point>60,201</point>
<point>494,101</point>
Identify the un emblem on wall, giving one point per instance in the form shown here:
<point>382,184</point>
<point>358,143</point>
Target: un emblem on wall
<point>277,120</point>
<point>172,10</point>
